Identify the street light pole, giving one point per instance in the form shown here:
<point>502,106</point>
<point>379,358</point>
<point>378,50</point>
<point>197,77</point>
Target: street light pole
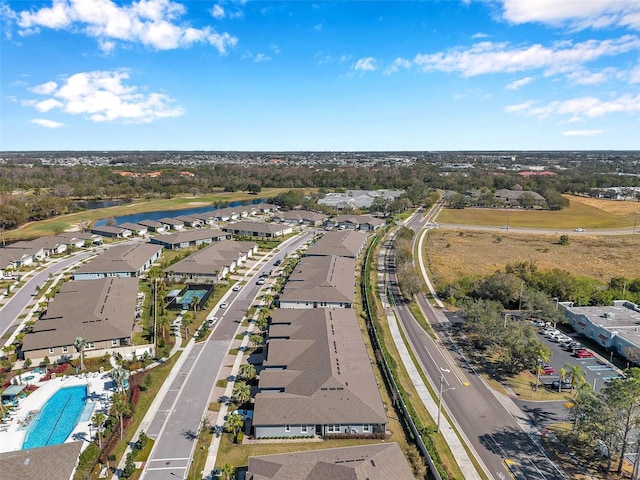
<point>440,397</point>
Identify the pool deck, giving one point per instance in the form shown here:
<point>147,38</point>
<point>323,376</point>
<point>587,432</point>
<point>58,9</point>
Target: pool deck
<point>13,431</point>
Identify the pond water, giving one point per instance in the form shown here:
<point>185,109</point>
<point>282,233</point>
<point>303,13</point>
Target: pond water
<point>158,214</point>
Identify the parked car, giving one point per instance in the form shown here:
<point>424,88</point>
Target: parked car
<point>246,414</point>
<point>540,323</point>
<point>548,370</point>
<point>224,305</point>
<point>278,262</point>
<point>565,384</point>
<point>583,353</point>
<point>212,321</point>
<point>560,338</point>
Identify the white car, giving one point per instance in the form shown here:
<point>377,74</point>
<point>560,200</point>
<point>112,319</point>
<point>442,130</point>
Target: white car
<point>579,229</point>
<point>236,288</point>
<point>212,321</point>
<point>224,305</point>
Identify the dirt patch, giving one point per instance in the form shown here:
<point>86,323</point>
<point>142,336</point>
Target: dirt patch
<point>455,253</point>
<point>198,204</point>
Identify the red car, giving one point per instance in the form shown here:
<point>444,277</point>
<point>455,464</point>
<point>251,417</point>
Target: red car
<point>584,354</point>
<point>548,370</point>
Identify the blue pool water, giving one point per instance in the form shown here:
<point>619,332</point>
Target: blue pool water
<point>58,418</point>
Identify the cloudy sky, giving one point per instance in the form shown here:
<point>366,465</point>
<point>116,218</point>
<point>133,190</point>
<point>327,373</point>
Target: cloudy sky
<point>314,75</point>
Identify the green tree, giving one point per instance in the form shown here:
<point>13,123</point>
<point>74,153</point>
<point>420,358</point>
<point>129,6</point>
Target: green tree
<point>97,420</point>
<point>564,240</point>
<point>80,344</point>
<point>575,373</point>
<point>241,392</point>
<point>121,408</point>
<point>234,424</point>
<point>256,340</point>
<point>187,320</point>
<point>119,375</point>
<point>229,471</point>
<point>247,371</point>
<point>621,396</point>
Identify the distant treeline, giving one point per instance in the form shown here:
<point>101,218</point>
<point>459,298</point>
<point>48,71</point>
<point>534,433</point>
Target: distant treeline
<point>50,187</point>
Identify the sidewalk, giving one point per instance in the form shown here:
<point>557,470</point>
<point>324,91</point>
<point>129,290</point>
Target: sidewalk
<point>153,408</point>
<point>451,437</point>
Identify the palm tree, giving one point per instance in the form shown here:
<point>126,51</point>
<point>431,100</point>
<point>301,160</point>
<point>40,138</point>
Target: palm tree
<point>241,392</point>
<point>80,344</point>
<point>538,370</point>
<point>563,375</point>
<point>119,375</point>
<point>576,373</point>
<point>187,320</point>
<point>98,419</point>
<point>163,323</point>
<point>121,408</point>
<point>247,371</point>
<point>234,424</point>
<point>257,340</point>
<point>229,471</point>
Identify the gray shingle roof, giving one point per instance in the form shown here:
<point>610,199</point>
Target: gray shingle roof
<point>189,236</point>
<point>96,310</point>
<point>321,279</point>
<point>328,376</point>
<point>382,461</point>
<point>216,256</point>
<point>56,462</point>
<point>121,258</point>
<point>347,243</point>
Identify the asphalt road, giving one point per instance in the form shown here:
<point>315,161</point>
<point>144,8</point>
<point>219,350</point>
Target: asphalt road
<point>490,427</point>
<point>549,231</point>
<point>176,424</point>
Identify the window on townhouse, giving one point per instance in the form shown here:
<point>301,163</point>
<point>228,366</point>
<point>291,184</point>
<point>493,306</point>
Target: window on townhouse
<point>65,349</point>
<point>304,428</point>
<point>287,428</point>
<point>366,428</point>
<point>114,342</point>
<point>50,349</point>
<point>91,345</point>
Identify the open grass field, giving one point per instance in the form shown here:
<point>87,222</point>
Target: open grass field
<point>588,213</point>
<point>451,254</point>
<point>71,221</point>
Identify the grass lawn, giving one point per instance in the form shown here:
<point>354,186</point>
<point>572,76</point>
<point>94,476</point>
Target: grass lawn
<point>451,254</point>
<point>588,213</point>
<point>65,222</point>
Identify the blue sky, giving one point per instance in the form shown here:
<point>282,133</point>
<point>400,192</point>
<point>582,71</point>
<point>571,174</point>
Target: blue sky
<point>312,75</point>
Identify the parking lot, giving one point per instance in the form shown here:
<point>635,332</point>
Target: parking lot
<point>597,368</point>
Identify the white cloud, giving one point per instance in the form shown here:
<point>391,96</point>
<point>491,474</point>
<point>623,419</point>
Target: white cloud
<point>45,88</point>
<point>580,108</point>
<point>366,64</point>
<point>274,48</point>
<point>582,133</point>
<point>479,35</point>
<point>261,57</point>
<point>397,64</point>
<point>519,107</point>
<point>322,58</point>
<point>43,122</point>
<point>103,97</point>
<point>634,75</point>
<point>575,14</point>
<point>318,28</point>
<point>516,84</point>
<point>217,12</point>
<point>153,23</point>
<point>489,57</point>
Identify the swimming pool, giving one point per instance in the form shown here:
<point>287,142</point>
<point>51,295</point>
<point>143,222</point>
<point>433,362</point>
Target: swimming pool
<point>57,419</point>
